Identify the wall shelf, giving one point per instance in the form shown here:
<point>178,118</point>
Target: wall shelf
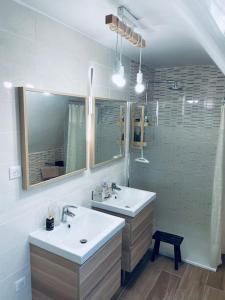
<point>138,125</point>
<point>138,145</point>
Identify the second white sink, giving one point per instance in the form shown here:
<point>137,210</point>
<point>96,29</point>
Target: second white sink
<point>127,201</point>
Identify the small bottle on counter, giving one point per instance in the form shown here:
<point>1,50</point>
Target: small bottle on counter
<point>49,221</point>
<point>105,191</point>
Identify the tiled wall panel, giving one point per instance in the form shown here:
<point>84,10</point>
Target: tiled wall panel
<point>182,149</point>
<point>38,160</point>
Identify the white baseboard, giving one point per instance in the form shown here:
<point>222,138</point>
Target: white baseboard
<point>191,262</point>
<point>194,263</point>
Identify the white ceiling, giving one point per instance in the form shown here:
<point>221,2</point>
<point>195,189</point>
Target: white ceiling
<point>170,38</point>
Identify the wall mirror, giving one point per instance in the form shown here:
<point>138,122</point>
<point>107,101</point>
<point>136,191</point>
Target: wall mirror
<point>53,135</point>
<point>109,127</point>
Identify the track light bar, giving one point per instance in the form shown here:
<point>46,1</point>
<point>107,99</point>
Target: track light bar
<point>124,14</point>
<point>115,24</point>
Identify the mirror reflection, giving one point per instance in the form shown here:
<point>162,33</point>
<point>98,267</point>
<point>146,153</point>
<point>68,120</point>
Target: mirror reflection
<point>110,117</point>
<point>56,135</point>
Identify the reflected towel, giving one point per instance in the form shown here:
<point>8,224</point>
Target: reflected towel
<point>49,172</point>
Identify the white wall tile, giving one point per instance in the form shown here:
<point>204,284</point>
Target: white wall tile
<point>36,50</point>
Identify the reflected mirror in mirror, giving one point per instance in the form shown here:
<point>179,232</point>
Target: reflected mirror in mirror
<point>53,135</point>
<point>110,120</point>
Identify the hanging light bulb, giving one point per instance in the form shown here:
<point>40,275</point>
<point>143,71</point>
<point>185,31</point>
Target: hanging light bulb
<point>118,77</point>
<point>139,87</point>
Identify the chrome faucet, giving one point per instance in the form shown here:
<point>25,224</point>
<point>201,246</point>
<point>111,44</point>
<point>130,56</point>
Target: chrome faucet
<point>66,212</point>
<point>115,187</point>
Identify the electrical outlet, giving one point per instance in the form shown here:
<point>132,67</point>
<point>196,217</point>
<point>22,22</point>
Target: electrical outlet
<point>20,283</point>
<point>14,172</point>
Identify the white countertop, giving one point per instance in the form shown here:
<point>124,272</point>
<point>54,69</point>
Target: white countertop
<point>128,201</point>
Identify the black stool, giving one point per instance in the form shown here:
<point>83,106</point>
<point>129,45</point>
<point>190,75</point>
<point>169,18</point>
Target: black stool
<point>176,240</point>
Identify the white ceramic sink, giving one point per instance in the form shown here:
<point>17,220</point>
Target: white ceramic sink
<point>127,201</point>
<point>95,227</point>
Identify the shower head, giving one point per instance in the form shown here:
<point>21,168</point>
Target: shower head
<point>175,86</point>
<point>172,85</point>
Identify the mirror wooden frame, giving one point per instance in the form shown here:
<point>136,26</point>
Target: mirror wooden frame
<point>93,137</point>
<point>24,136</point>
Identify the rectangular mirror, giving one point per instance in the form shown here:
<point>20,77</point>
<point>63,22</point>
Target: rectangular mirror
<point>53,135</point>
<point>109,126</point>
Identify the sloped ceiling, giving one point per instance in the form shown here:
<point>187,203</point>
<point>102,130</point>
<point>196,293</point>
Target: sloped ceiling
<point>169,27</point>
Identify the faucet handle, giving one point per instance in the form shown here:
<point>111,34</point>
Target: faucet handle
<point>69,206</point>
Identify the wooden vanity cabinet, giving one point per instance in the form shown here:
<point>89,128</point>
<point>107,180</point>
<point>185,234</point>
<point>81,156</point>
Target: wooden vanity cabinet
<point>136,236</point>
<point>56,278</point>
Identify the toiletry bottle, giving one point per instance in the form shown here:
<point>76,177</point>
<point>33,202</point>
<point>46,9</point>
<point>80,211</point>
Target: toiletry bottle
<point>105,191</point>
<point>49,221</point>
<point>55,213</point>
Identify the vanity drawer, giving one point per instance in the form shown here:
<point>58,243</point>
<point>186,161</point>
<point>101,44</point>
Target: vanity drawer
<point>132,255</point>
<point>108,286</point>
<point>136,226</point>
<point>56,278</point>
<point>136,236</point>
<point>95,269</point>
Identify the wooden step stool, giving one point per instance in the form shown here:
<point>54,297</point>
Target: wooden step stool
<point>175,240</point>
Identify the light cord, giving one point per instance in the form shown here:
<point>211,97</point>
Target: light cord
<point>140,60</point>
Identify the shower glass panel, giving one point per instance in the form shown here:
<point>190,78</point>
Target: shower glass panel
<point>181,146</point>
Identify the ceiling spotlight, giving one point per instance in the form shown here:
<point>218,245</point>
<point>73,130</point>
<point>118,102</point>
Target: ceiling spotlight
<point>7,84</point>
<point>139,87</point>
<point>29,86</point>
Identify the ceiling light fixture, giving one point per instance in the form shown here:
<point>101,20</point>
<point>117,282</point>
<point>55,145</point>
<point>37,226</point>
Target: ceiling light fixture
<point>139,87</point>
<point>119,26</point>
<point>29,86</point>
<point>7,84</point>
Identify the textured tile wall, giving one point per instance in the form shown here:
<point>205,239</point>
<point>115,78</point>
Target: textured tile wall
<point>181,150</point>
<point>38,160</point>
<point>36,50</point>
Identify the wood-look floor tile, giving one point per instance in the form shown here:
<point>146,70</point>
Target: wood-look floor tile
<point>165,287</point>
<point>159,281</point>
<point>192,284</point>
<point>213,294</point>
<point>167,264</point>
<point>193,273</point>
<point>138,288</point>
<point>217,279</point>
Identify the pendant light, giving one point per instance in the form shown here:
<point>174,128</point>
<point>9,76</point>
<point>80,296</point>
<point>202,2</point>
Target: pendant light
<point>139,87</point>
<point>118,77</point>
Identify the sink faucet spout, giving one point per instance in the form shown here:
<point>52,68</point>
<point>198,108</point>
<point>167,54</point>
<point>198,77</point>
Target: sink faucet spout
<point>66,212</point>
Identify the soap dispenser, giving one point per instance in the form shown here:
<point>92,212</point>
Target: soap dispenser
<point>49,221</point>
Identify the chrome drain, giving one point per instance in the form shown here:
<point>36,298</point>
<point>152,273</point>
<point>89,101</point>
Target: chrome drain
<point>83,241</point>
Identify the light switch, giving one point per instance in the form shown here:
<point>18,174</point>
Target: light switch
<point>14,172</point>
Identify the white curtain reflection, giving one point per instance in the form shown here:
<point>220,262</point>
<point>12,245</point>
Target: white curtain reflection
<point>75,154</point>
<point>217,199</point>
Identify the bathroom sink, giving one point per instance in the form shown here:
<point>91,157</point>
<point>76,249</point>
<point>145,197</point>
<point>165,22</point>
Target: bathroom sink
<point>80,237</point>
<point>127,201</point>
